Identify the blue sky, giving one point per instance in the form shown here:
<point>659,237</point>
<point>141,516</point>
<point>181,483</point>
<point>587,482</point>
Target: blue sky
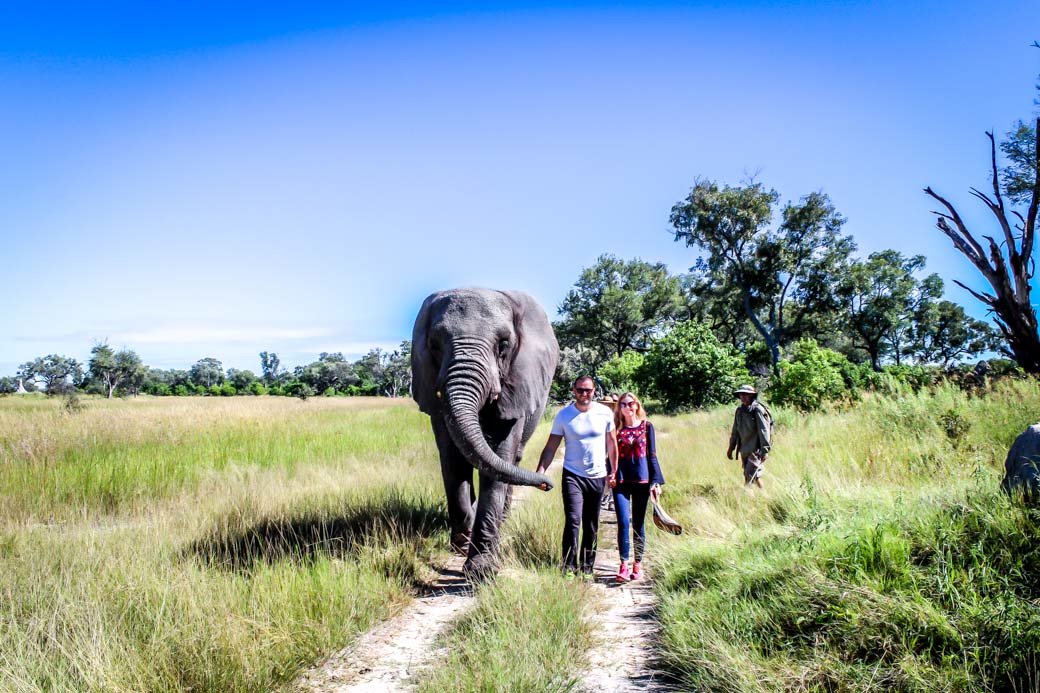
<point>194,182</point>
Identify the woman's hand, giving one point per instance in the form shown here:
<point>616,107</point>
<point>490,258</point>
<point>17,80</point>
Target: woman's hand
<point>655,492</point>
<point>612,480</point>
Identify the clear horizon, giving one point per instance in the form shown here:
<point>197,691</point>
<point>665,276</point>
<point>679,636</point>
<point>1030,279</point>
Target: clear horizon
<point>199,183</point>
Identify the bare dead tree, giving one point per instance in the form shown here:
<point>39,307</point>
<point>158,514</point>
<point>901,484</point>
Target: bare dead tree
<point>1009,302</point>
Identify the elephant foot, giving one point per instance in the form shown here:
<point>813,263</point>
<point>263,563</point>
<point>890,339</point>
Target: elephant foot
<point>481,567</point>
<point>460,543</point>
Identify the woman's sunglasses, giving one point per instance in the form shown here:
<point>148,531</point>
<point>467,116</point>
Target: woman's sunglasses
<point>626,405</point>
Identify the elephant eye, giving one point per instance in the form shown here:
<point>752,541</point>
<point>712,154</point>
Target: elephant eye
<point>503,346</point>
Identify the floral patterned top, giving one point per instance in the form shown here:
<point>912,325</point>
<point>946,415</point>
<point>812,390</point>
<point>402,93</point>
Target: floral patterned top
<point>637,455</point>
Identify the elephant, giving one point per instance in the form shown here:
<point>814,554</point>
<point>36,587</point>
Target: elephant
<point>482,364</point>
<point>1022,466</point>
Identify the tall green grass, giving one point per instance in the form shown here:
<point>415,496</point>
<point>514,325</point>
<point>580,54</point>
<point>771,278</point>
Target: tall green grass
<point>881,555</point>
<point>527,632</point>
<point>205,544</point>
<point>226,544</point>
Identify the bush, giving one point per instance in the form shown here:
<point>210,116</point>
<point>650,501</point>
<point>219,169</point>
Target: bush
<point>227,390</point>
<point>619,373</point>
<point>913,377</point>
<point>814,375</point>
<point>690,367</point>
<point>299,389</point>
<point>181,390</point>
<point>257,388</point>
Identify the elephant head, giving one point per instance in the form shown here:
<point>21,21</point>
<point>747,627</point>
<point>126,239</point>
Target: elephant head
<point>482,355</point>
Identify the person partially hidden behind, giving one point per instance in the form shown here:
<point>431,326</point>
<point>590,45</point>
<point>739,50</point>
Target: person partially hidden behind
<point>751,434</point>
<point>638,480</point>
<point>588,429</point>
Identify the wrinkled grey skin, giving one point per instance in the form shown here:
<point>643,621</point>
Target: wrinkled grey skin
<point>1022,464</point>
<point>482,364</point>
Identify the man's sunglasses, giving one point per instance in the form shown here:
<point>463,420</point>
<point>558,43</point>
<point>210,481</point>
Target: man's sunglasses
<point>585,390</point>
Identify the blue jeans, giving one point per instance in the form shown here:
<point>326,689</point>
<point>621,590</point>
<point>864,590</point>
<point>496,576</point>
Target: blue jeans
<point>630,503</point>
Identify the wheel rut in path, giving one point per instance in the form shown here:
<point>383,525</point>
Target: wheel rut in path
<point>626,628</point>
<point>392,656</point>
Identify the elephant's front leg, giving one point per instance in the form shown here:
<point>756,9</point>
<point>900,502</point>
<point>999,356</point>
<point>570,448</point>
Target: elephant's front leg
<point>457,474</point>
<point>492,506</point>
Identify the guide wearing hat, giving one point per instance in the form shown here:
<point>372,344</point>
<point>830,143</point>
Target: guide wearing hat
<point>751,434</point>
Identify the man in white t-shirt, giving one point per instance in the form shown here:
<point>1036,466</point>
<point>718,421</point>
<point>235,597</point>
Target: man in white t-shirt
<point>589,462</point>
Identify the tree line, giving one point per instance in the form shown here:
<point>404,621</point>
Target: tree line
<point>110,372</point>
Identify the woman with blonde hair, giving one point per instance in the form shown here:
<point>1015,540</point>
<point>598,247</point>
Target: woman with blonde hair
<point>636,480</point>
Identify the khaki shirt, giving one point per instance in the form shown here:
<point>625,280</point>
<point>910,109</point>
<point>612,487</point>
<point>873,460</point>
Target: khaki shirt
<point>750,434</point>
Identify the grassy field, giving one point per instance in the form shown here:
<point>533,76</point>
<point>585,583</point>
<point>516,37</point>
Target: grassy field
<point>204,544</point>
<point>228,543</point>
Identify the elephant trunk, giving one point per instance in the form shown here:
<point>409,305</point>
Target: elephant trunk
<point>465,392</point>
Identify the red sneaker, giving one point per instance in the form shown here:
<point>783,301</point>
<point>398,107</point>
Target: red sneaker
<point>637,571</point>
<point>624,573</point>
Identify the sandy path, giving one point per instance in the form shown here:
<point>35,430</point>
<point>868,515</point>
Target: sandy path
<point>391,656</point>
<point>627,627</point>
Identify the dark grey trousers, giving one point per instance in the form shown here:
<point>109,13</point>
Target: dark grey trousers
<point>581,497</point>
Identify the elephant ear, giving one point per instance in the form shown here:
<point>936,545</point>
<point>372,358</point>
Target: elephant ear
<point>424,370</point>
<point>526,385</point>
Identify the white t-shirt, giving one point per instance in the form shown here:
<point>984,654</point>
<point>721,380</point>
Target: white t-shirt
<point>585,435</point>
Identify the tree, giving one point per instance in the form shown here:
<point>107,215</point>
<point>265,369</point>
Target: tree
<point>574,361</point>
<point>58,374</point>
<point>944,333</point>
<point>207,372</point>
<point>397,371</point>
<point>8,385</point>
<point>884,298</point>
<point>269,367</point>
<point>111,369</point>
<point>690,367</point>
<point>330,370</point>
<point>241,380</point>
<point>786,279</point>
<point>617,305</point>
<point>620,373</point>
<point>810,377</point>
<point>1007,266</point>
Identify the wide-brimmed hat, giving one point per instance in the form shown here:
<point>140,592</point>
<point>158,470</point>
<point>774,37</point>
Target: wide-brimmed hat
<point>745,390</point>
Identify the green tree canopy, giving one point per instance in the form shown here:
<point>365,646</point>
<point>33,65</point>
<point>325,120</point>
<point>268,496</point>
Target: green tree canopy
<point>58,374</point>
<point>207,372</point>
<point>690,367</point>
<point>944,334</point>
<point>112,370</point>
<point>884,298</point>
<point>786,279</point>
<point>617,305</point>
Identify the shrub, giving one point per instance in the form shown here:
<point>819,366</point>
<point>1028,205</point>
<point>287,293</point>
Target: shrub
<point>227,390</point>
<point>813,375</point>
<point>690,367</point>
<point>181,390</point>
<point>619,373</point>
<point>257,388</point>
<point>914,377</point>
